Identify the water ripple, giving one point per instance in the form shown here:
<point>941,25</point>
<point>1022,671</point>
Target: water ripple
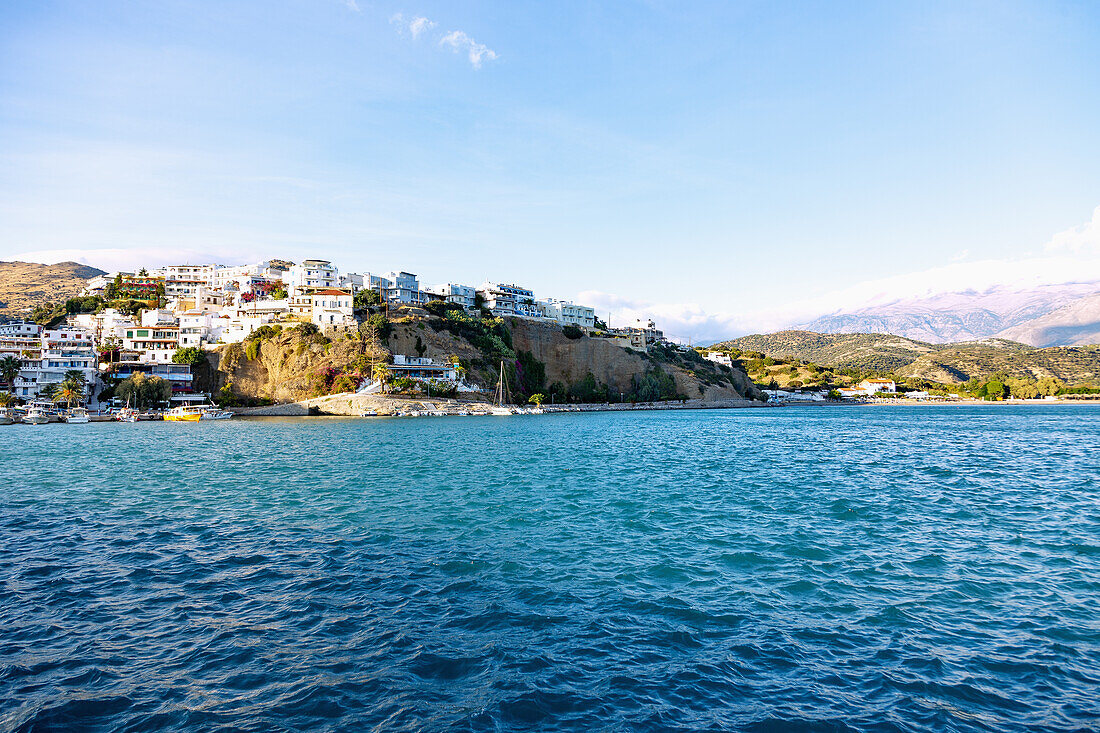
<point>798,569</point>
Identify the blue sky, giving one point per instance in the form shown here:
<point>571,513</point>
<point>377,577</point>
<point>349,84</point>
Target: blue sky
<point>710,162</point>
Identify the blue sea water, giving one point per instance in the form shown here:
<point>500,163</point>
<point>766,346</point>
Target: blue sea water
<point>830,569</point>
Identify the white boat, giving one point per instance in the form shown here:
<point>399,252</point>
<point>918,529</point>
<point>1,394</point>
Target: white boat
<point>7,417</point>
<point>214,413</point>
<point>77,415</point>
<point>368,413</point>
<point>36,416</point>
<point>126,415</point>
<point>195,413</point>
<point>498,407</point>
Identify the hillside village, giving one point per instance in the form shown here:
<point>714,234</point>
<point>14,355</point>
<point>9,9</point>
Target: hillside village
<point>189,333</point>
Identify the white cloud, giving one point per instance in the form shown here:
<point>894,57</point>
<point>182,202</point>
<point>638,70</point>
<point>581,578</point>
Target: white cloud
<point>352,5</point>
<point>475,52</point>
<point>420,24</point>
<point>457,41</point>
<point>1084,238</point>
<point>413,27</point>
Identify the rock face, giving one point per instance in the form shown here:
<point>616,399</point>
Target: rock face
<point>570,360</point>
<point>285,367</point>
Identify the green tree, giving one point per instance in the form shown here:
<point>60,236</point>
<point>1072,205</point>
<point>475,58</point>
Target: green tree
<point>366,298</point>
<point>994,390</point>
<point>140,390</point>
<point>7,399</point>
<point>537,399</point>
<point>279,294</point>
<point>9,368</point>
<point>192,355</point>
<point>68,393</point>
<point>1049,386</point>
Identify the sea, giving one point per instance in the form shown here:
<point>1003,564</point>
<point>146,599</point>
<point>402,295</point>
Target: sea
<point>799,568</point>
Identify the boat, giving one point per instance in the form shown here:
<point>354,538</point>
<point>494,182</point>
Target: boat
<point>498,407</point>
<point>77,415</point>
<point>126,415</point>
<point>210,412</point>
<point>7,417</point>
<point>368,413</point>
<point>183,413</point>
<point>36,416</point>
<point>195,413</point>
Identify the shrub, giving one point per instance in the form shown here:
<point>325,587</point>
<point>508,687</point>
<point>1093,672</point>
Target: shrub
<point>572,332</point>
<point>192,355</point>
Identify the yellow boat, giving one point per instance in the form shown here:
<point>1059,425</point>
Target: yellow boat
<point>183,414</point>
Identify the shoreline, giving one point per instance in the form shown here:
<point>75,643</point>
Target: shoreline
<point>354,405</point>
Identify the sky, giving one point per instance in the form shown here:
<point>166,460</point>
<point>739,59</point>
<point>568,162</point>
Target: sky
<point>726,167</point>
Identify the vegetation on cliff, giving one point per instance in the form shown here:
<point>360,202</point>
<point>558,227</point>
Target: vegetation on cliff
<point>288,363</point>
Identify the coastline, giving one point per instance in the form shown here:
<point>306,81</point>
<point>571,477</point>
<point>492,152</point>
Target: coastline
<point>352,405</point>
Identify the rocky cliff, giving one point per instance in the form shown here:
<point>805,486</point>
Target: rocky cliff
<point>292,364</point>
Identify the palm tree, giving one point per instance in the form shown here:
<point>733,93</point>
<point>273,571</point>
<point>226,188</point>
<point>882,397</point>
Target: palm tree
<point>75,378</point>
<point>382,374</point>
<point>9,368</point>
<point>68,393</point>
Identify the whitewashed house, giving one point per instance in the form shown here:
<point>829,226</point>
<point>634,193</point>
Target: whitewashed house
<point>332,308</point>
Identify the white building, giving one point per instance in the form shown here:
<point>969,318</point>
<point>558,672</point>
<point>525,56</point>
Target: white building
<point>312,275</point>
<point>718,358</point>
<point>508,300</point>
<point>59,351</point>
<point>99,283</point>
<point>874,386</point>
<point>332,308</point>
<point>463,295</point>
<point>196,328</point>
<point>107,323</point>
<point>567,313</point>
<point>20,329</point>
<point>184,280</point>
<point>404,287</point>
<point>418,367</point>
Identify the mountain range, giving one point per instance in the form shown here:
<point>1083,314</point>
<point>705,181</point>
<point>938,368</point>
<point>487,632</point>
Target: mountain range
<point>1050,315</point>
<point>942,363</point>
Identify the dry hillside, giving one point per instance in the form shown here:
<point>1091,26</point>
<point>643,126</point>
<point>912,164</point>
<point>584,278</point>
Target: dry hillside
<point>24,285</point>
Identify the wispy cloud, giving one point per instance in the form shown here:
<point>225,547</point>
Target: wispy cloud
<point>352,5</point>
<point>475,52</point>
<point>457,41</point>
<point>413,26</point>
<point>1080,239</point>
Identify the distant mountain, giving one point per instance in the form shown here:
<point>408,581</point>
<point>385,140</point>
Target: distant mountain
<point>952,317</point>
<point>1077,323</point>
<point>874,351</point>
<point>24,285</point>
<point>944,363</point>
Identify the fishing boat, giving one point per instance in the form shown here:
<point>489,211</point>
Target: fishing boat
<point>214,413</point>
<point>195,413</point>
<point>126,414</point>
<point>498,407</point>
<point>77,415</point>
<point>183,413</point>
<point>7,417</point>
<point>36,416</point>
